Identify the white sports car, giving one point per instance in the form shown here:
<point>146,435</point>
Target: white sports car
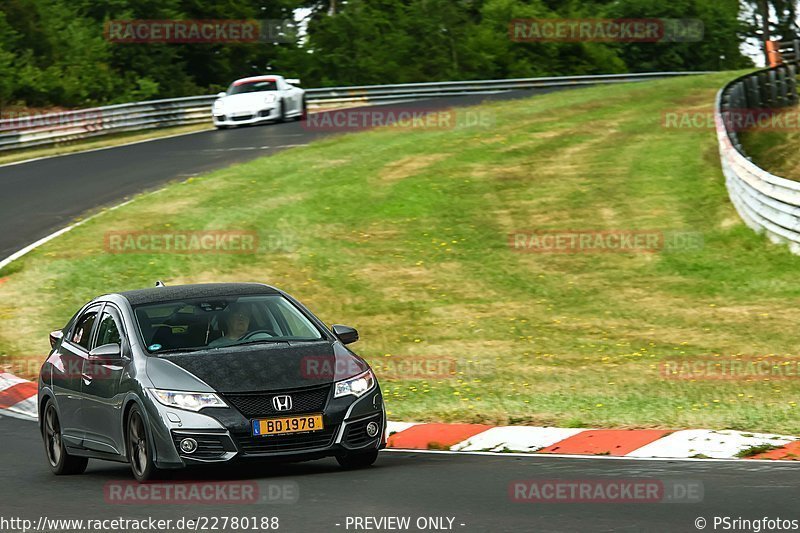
<point>259,99</point>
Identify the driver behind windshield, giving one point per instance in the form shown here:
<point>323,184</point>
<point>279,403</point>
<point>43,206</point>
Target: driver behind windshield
<point>236,325</point>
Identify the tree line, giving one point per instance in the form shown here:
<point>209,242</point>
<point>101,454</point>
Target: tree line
<point>55,52</point>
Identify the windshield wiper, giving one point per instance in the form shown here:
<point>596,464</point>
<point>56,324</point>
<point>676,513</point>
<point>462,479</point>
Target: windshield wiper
<point>260,341</point>
<point>178,350</point>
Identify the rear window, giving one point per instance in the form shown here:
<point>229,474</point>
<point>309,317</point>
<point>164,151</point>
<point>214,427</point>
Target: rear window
<point>220,322</point>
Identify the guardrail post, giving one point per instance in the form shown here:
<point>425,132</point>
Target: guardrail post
<point>780,87</point>
<point>763,89</point>
<point>753,93</point>
<point>772,86</point>
<point>739,100</point>
<point>791,81</point>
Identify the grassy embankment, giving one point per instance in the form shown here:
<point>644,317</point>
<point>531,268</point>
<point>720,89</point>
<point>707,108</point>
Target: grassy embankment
<point>404,234</point>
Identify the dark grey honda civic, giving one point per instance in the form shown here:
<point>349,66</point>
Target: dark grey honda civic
<point>170,377</point>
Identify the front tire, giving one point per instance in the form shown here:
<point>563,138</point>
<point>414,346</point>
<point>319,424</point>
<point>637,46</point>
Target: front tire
<point>61,463</point>
<point>354,461</point>
<point>139,449</point>
<point>282,113</point>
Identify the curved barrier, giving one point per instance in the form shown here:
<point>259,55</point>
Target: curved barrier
<point>37,130</point>
<point>766,203</point>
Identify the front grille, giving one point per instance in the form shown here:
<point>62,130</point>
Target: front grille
<point>291,442</point>
<point>242,117</point>
<point>355,434</point>
<point>259,404</point>
<point>208,446</point>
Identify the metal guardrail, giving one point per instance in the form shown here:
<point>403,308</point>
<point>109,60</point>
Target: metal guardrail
<point>766,203</point>
<point>86,123</point>
<point>38,130</point>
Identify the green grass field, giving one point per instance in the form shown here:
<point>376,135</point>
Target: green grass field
<point>404,235</point>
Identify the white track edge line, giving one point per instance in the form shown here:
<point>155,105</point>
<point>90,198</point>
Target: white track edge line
<point>138,142</point>
<point>31,247</point>
<point>102,148</point>
<point>19,253</point>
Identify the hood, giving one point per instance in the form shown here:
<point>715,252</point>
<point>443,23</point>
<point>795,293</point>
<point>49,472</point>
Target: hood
<point>246,101</point>
<point>269,367</point>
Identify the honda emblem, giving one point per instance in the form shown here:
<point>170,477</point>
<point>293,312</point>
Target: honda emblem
<point>282,403</point>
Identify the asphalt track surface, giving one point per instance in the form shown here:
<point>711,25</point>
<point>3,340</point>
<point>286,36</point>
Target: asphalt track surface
<point>43,196</point>
<point>471,488</point>
<point>40,197</point>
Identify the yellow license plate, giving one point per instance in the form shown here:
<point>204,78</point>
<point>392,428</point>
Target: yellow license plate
<point>291,424</point>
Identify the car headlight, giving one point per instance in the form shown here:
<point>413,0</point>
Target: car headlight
<point>357,386</point>
<point>219,105</point>
<point>270,98</point>
<point>191,401</point>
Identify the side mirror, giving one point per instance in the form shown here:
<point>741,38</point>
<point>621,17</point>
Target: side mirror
<point>107,354</point>
<point>346,334</point>
<point>222,94</point>
<point>55,337</point>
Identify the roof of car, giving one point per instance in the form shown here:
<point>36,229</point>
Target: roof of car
<point>251,79</point>
<point>204,290</point>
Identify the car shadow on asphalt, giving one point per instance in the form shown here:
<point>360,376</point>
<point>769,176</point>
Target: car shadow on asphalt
<point>232,472</point>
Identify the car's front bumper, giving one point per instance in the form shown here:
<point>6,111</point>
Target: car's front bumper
<point>243,118</point>
<point>224,434</point>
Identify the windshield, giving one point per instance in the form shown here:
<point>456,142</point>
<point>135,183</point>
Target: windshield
<point>195,324</point>
<point>252,87</point>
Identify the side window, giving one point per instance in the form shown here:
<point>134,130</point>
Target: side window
<point>108,331</point>
<point>82,333</point>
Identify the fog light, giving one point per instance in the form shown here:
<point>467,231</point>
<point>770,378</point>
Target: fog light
<point>372,429</point>
<point>188,445</point>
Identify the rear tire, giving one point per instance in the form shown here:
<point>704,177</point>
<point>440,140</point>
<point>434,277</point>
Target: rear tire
<point>61,463</point>
<point>140,453</point>
<point>354,461</point>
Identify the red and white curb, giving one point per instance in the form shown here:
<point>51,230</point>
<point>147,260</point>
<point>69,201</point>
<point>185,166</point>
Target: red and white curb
<point>628,443</point>
<point>18,399</point>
